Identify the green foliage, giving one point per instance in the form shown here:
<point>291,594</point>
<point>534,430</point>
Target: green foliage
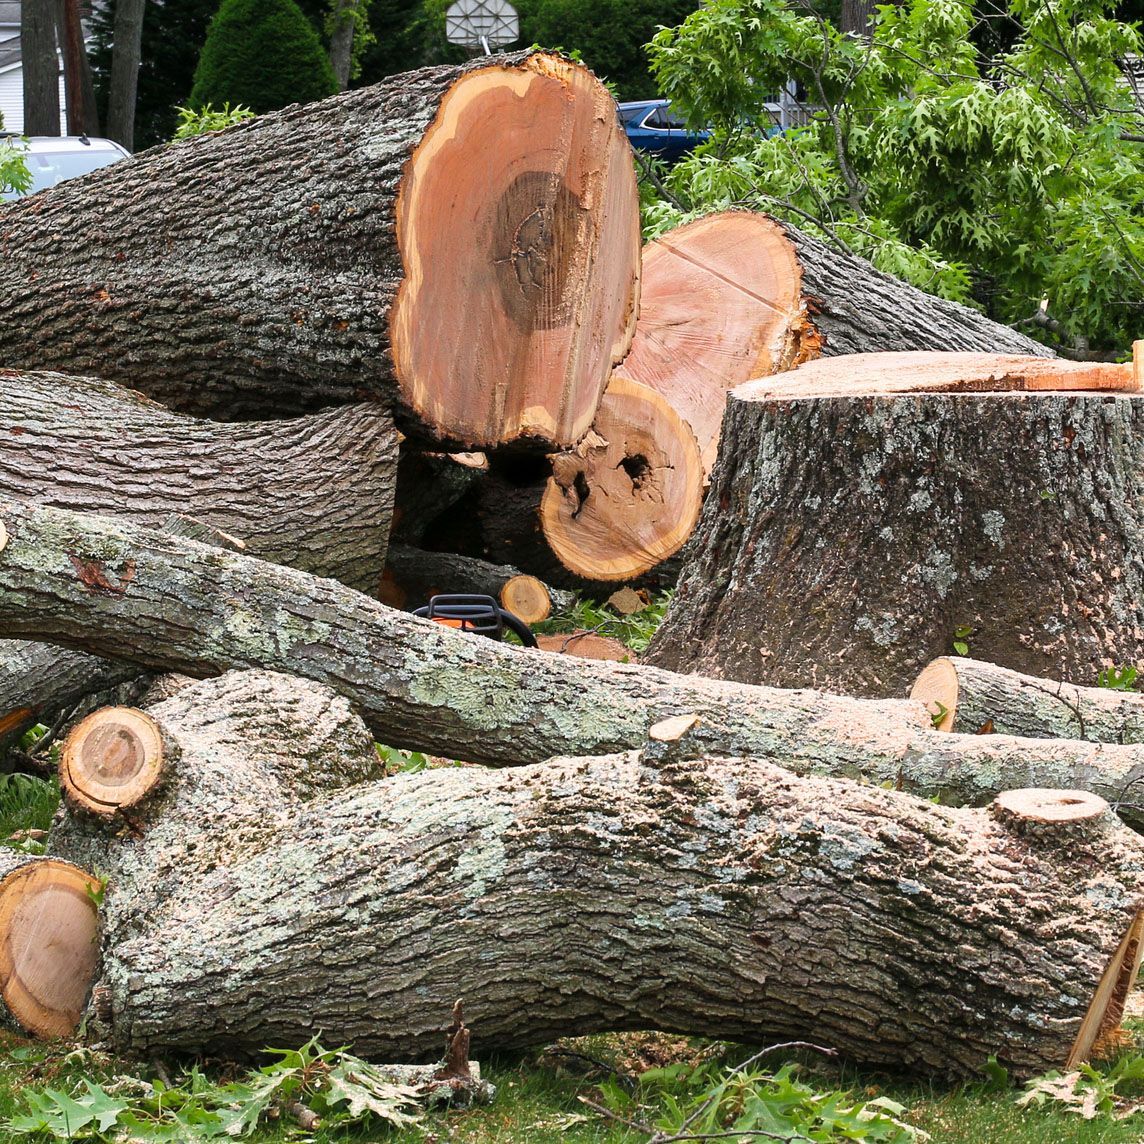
<point>399,762</point>
<point>26,803</point>
<point>263,54</point>
<point>707,1100</point>
<point>200,120</point>
<point>1118,678</point>
<point>998,180</point>
<point>14,173</point>
<point>339,1088</point>
<point>634,630</point>
<point>961,636</point>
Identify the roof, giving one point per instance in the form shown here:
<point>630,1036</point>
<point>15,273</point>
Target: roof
<point>9,54</point>
<point>10,12</point>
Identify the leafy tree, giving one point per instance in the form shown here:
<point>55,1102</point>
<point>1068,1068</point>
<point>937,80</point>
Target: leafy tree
<point>263,54</point>
<point>1011,178</point>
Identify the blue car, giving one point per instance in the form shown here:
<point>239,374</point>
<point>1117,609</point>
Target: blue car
<point>651,127</point>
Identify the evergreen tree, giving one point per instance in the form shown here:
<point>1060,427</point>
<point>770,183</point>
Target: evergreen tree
<point>263,54</point>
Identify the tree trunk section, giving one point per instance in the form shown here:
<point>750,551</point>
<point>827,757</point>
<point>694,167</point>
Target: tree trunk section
<point>82,117</point>
<point>459,242</point>
<point>593,895</point>
<point>970,696</point>
<point>125,58</point>
<point>342,40</point>
<point>41,69</point>
<point>413,575</point>
<point>855,528</point>
<point>428,485</point>
<point>627,498</point>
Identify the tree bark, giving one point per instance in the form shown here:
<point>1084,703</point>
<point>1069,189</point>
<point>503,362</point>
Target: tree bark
<point>586,895</point>
<point>40,67</point>
<point>342,40</point>
<point>854,531</point>
<point>79,87</point>
<point>970,696</point>
<point>125,59</point>
<point>460,242</point>
<point>200,611</point>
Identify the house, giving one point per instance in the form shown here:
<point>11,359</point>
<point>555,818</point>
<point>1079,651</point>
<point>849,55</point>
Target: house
<point>11,72</point>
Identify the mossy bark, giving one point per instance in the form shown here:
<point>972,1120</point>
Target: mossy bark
<point>727,898</point>
<point>846,542</point>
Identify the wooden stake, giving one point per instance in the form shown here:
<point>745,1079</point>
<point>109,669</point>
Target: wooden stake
<point>48,948</point>
<point>112,760</point>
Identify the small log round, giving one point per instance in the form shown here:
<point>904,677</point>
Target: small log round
<point>1056,808</point>
<point>527,598</point>
<point>587,645</point>
<point>970,696</point>
<point>629,496</point>
<point>49,946</point>
<point>112,760</point>
<point>865,510</point>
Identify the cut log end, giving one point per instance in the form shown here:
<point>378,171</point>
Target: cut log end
<point>1102,1021</point>
<point>527,598</point>
<point>48,953</point>
<point>111,760</point>
<point>587,645</point>
<point>937,687</point>
<point>3,537</point>
<point>630,496</point>
<point>524,186</point>
<point>1036,806</point>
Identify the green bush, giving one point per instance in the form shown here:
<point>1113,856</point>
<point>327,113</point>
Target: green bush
<point>263,54</point>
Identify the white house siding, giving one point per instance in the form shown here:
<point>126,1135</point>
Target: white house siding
<point>12,100</point>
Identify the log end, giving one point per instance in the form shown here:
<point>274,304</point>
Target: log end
<point>937,687</point>
<point>49,949</point>
<point>3,537</point>
<point>587,645</point>
<point>518,226</point>
<point>111,760</point>
<point>630,496</point>
<point>1102,1021</point>
<point>527,598</point>
<point>1039,807</point>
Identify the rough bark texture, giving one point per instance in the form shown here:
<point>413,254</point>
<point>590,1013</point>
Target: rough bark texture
<point>413,575</point>
<point>41,69</point>
<point>201,611</point>
<point>126,49</point>
<point>429,484</point>
<point>856,309</point>
<point>976,696</point>
<point>258,271</point>
<point>845,540</point>
<point>729,899</point>
<point>314,492</point>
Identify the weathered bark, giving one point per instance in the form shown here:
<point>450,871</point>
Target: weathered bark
<point>40,67</point>
<point>196,610</point>
<point>970,696</point>
<point>429,484</point>
<point>627,497</point>
<point>846,539</point>
<point>344,18</point>
<point>413,575</point>
<point>462,242</point>
<point>82,116</point>
<point>315,492</point>
<point>728,899</point>
<point>125,58</point>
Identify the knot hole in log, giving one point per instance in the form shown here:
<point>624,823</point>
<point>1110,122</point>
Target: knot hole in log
<point>533,244</point>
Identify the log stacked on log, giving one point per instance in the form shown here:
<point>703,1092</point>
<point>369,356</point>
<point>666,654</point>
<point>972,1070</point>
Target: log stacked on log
<point>459,242</point>
<point>867,508</point>
<point>899,931</point>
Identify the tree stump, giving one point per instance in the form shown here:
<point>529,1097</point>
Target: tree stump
<point>868,511</point>
<point>459,242</point>
<point>627,891</point>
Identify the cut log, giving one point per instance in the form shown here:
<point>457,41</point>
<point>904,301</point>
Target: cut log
<point>848,537</point>
<point>586,645</point>
<point>970,696</point>
<point>598,894</point>
<point>460,242</point>
<point>315,492</point>
<point>628,497</point>
<point>429,484</point>
<point>414,575</point>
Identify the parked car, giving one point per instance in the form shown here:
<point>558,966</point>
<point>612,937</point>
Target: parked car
<point>652,127</point>
<point>52,159</point>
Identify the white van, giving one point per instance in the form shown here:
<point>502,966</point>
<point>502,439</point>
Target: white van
<point>52,159</point>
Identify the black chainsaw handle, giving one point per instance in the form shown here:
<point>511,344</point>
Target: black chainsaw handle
<point>471,611</point>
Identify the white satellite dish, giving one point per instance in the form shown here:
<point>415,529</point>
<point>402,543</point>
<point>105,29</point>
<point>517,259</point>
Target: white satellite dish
<point>483,24</point>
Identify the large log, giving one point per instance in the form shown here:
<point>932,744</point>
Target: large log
<point>462,242</point>
<point>585,895</point>
<point>197,610</point>
<point>971,696</point>
<point>315,492</point>
<point>866,509</point>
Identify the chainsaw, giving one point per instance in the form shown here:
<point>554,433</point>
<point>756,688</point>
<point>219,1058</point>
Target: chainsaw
<point>481,615</point>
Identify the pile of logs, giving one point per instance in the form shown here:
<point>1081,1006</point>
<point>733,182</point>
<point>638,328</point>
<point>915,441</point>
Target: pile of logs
<point>288,381</point>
